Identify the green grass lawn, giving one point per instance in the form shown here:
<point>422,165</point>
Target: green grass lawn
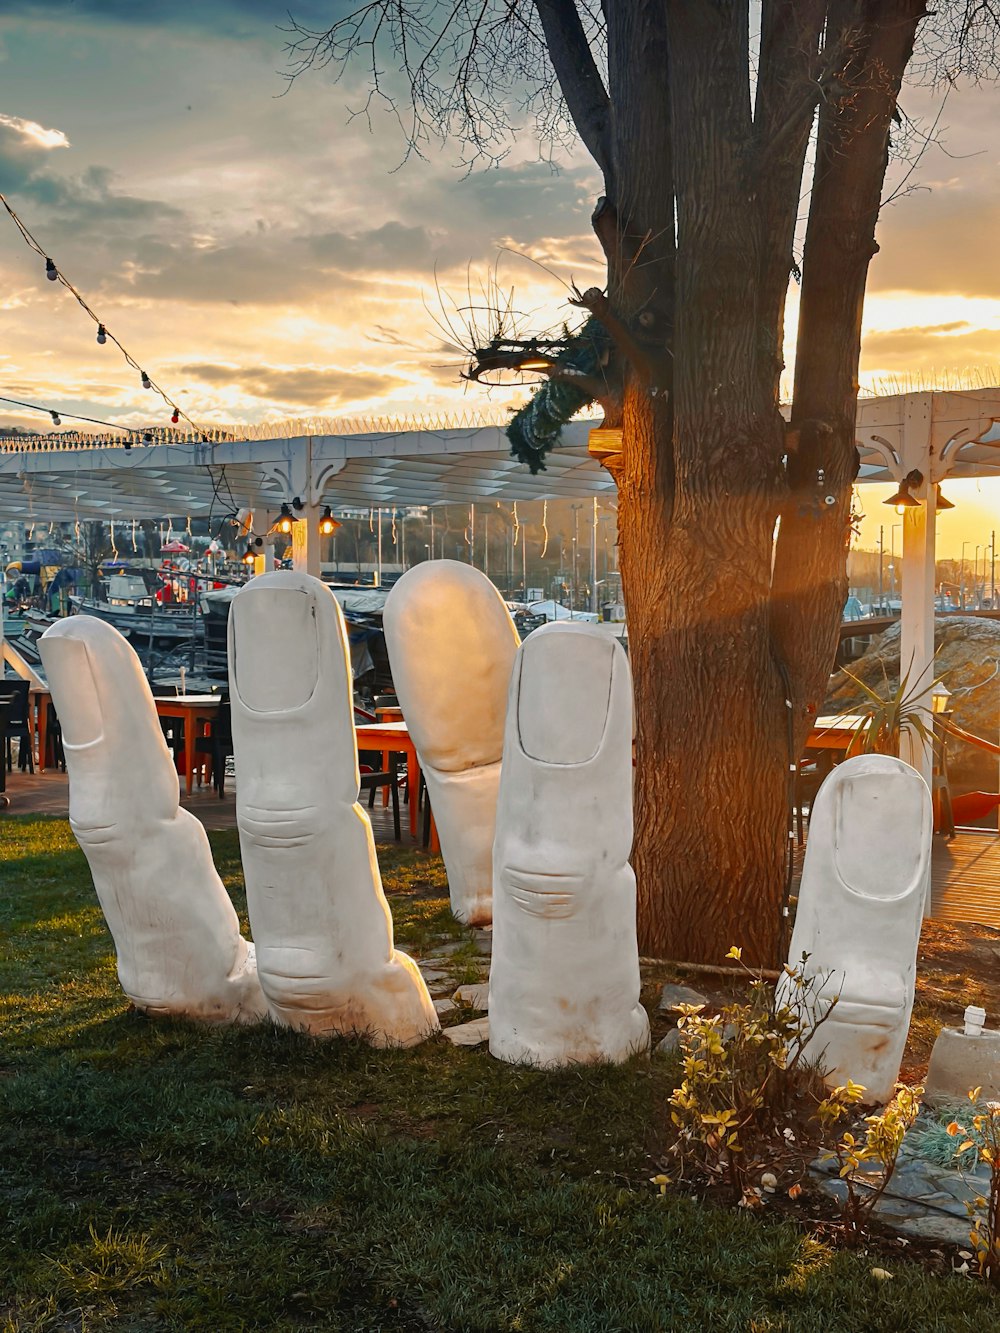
<point>165,1176</point>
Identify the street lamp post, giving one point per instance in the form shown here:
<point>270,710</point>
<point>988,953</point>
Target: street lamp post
<point>975,581</point>
<point>961,579</point>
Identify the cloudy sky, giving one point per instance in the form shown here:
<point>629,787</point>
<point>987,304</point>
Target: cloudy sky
<point>267,256</point>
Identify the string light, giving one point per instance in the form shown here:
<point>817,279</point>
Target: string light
<point>175,417</point>
<point>54,275</point>
<point>57,417</point>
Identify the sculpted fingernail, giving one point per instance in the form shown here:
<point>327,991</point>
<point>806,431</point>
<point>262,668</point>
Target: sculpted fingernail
<point>71,678</point>
<point>262,677</point>
<point>565,725</point>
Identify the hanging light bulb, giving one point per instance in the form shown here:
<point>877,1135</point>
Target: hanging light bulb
<point>902,499</point>
<point>175,416</point>
<point>56,420</point>
<point>147,383</point>
<point>327,523</point>
<point>51,272</point>
<point>285,516</point>
<point>942,500</point>
<point>102,334</point>
<point>248,556</point>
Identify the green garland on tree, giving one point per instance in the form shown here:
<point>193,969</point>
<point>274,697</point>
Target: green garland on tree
<point>535,428</point>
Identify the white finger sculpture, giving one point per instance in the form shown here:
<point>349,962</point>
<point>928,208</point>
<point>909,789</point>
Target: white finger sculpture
<point>451,645</point>
<point>861,902</point>
<point>325,953</point>
<point>564,981</point>
<point>176,933</point>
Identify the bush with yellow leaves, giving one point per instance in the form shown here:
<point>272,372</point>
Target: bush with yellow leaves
<point>867,1161</point>
<point>983,1134</point>
<point>743,1073</point>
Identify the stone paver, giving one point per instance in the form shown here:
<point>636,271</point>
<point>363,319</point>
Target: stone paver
<point>469,1034</point>
<point>474,997</point>
<point>672,995</point>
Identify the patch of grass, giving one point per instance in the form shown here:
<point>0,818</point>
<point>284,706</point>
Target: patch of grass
<point>163,1176</point>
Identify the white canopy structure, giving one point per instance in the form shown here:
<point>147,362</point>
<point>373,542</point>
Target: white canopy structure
<point>933,434</point>
<point>59,479</point>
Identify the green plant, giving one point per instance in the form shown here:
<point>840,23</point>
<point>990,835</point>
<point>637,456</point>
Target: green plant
<point>984,1137</point>
<point>867,1163</point>
<point>743,1071</point>
<point>886,719</point>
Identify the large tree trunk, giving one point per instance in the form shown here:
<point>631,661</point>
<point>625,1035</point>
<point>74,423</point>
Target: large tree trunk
<point>698,488</point>
<point>710,777</point>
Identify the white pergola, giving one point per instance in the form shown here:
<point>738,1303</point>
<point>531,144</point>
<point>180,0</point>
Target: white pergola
<point>936,434</point>
<point>53,481</point>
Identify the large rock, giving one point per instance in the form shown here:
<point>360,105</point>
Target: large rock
<point>967,653</point>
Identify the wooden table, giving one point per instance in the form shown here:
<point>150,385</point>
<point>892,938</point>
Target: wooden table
<point>395,737</point>
<point>196,711</point>
<point>835,732</point>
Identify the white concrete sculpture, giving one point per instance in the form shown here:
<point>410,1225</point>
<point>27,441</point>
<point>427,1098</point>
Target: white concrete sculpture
<point>176,933</point>
<point>451,644</point>
<point>564,981</point>
<point>325,953</point>
<point>861,902</point>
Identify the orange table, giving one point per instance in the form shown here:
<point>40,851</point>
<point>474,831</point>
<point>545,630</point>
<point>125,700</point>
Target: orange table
<point>196,711</point>
<point>835,733</point>
<point>395,737</point>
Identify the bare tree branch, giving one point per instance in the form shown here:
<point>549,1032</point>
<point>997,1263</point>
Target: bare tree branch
<point>579,78</point>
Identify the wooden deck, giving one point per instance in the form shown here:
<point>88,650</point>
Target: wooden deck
<point>965,878</point>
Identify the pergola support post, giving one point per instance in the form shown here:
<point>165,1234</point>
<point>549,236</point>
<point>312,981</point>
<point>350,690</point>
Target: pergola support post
<point>916,660</point>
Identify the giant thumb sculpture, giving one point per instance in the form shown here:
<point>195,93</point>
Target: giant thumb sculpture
<point>176,934</point>
<point>564,980</point>
<point>325,952</point>
<point>451,644</point>
<point>861,902</point>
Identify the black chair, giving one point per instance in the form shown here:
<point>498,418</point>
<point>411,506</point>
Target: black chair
<point>218,745</point>
<point>55,754</point>
<point>371,782</point>
<point>4,710</point>
<point>172,727</point>
<point>14,695</point>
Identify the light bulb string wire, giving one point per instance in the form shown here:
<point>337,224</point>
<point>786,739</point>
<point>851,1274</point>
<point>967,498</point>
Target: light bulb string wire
<point>102,326</point>
<point>73,416</point>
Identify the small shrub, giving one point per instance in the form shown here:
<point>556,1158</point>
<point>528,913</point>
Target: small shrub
<point>867,1163</point>
<point>983,1136</point>
<point>743,1073</point>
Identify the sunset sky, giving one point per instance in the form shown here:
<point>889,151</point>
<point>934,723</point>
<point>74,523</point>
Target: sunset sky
<point>267,256</point>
